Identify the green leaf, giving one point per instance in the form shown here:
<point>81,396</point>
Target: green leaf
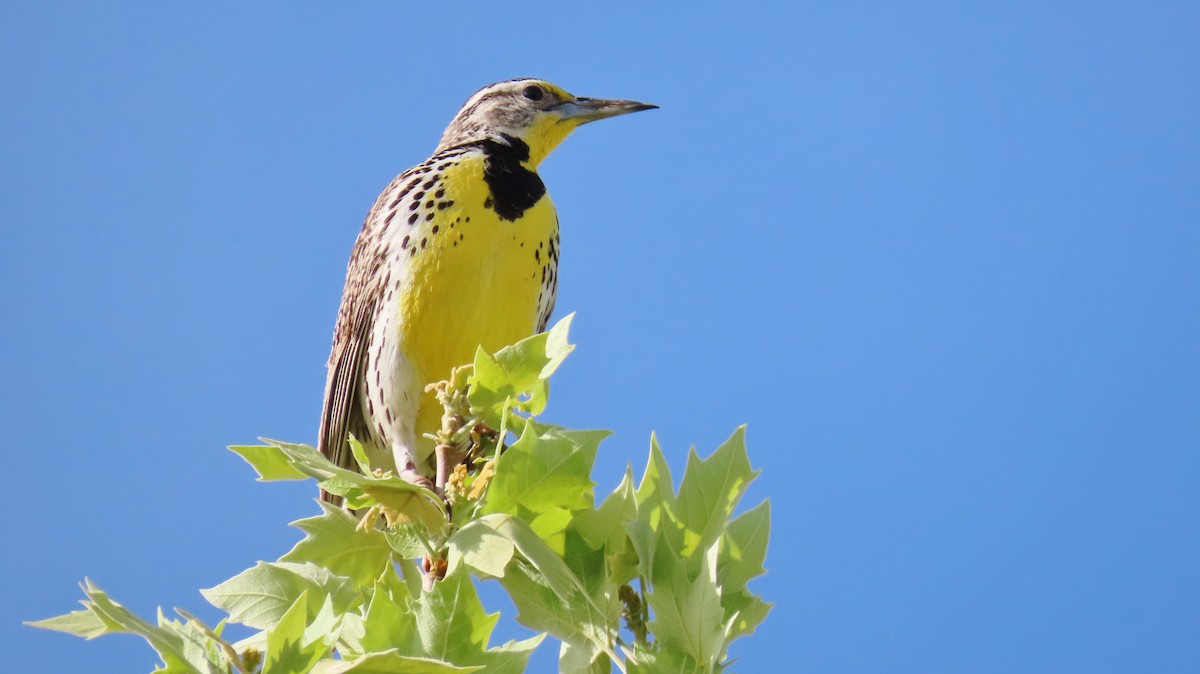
<point>699,601</point>
<point>656,485</point>
<point>711,489</point>
<point>402,502</point>
<point>518,373</point>
<point>656,519</point>
<point>551,526</point>
<point>558,345</point>
<point>83,623</point>
<point>452,626</point>
<point>600,525</point>
<point>656,508</point>
<point>604,529</point>
<point>512,657</point>
<point>744,547</point>
<point>482,548</point>
<point>308,460</point>
<point>411,574</point>
<point>360,456</point>
<point>334,541</point>
<point>287,653</point>
<point>407,504</point>
<point>548,467</point>
<point>405,542</point>
<point>687,614</point>
<point>389,622</point>
<point>589,566</point>
<point>202,648</point>
<point>259,596</point>
<point>747,612</point>
<point>451,623</point>
<point>661,661</point>
<point>582,658</point>
<point>182,648</point>
<point>547,594</point>
<point>327,626</point>
<point>271,463</point>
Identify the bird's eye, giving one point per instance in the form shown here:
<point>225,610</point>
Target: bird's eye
<point>533,93</point>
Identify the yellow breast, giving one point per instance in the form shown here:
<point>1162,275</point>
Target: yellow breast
<point>474,280</point>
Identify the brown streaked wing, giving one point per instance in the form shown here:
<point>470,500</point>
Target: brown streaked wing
<point>341,411</point>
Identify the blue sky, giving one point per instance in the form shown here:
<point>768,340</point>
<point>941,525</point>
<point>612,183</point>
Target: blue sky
<point>943,258</point>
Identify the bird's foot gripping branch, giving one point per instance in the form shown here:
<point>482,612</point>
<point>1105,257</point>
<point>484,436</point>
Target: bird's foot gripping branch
<point>649,579</point>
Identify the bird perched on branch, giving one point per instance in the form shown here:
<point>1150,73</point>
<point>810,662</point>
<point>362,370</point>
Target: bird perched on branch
<point>458,252</point>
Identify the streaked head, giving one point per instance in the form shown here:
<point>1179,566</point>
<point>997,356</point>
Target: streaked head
<point>536,111</point>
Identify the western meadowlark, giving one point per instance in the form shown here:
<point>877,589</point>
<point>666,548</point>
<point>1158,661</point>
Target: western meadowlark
<point>458,252</point>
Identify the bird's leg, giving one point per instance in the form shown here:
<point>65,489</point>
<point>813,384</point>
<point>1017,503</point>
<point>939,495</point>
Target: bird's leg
<point>449,453</point>
<point>411,475</point>
<point>448,458</point>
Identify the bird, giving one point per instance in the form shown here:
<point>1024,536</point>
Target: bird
<point>458,252</point>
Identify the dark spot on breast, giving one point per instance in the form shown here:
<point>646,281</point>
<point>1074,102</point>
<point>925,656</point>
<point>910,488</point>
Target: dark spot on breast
<point>435,229</point>
<point>440,193</point>
<point>423,242</point>
<point>428,216</point>
<point>404,243</point>
<point>412,219</point>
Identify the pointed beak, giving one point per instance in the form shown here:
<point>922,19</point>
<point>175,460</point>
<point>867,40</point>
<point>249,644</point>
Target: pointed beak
<point>583,110</point>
